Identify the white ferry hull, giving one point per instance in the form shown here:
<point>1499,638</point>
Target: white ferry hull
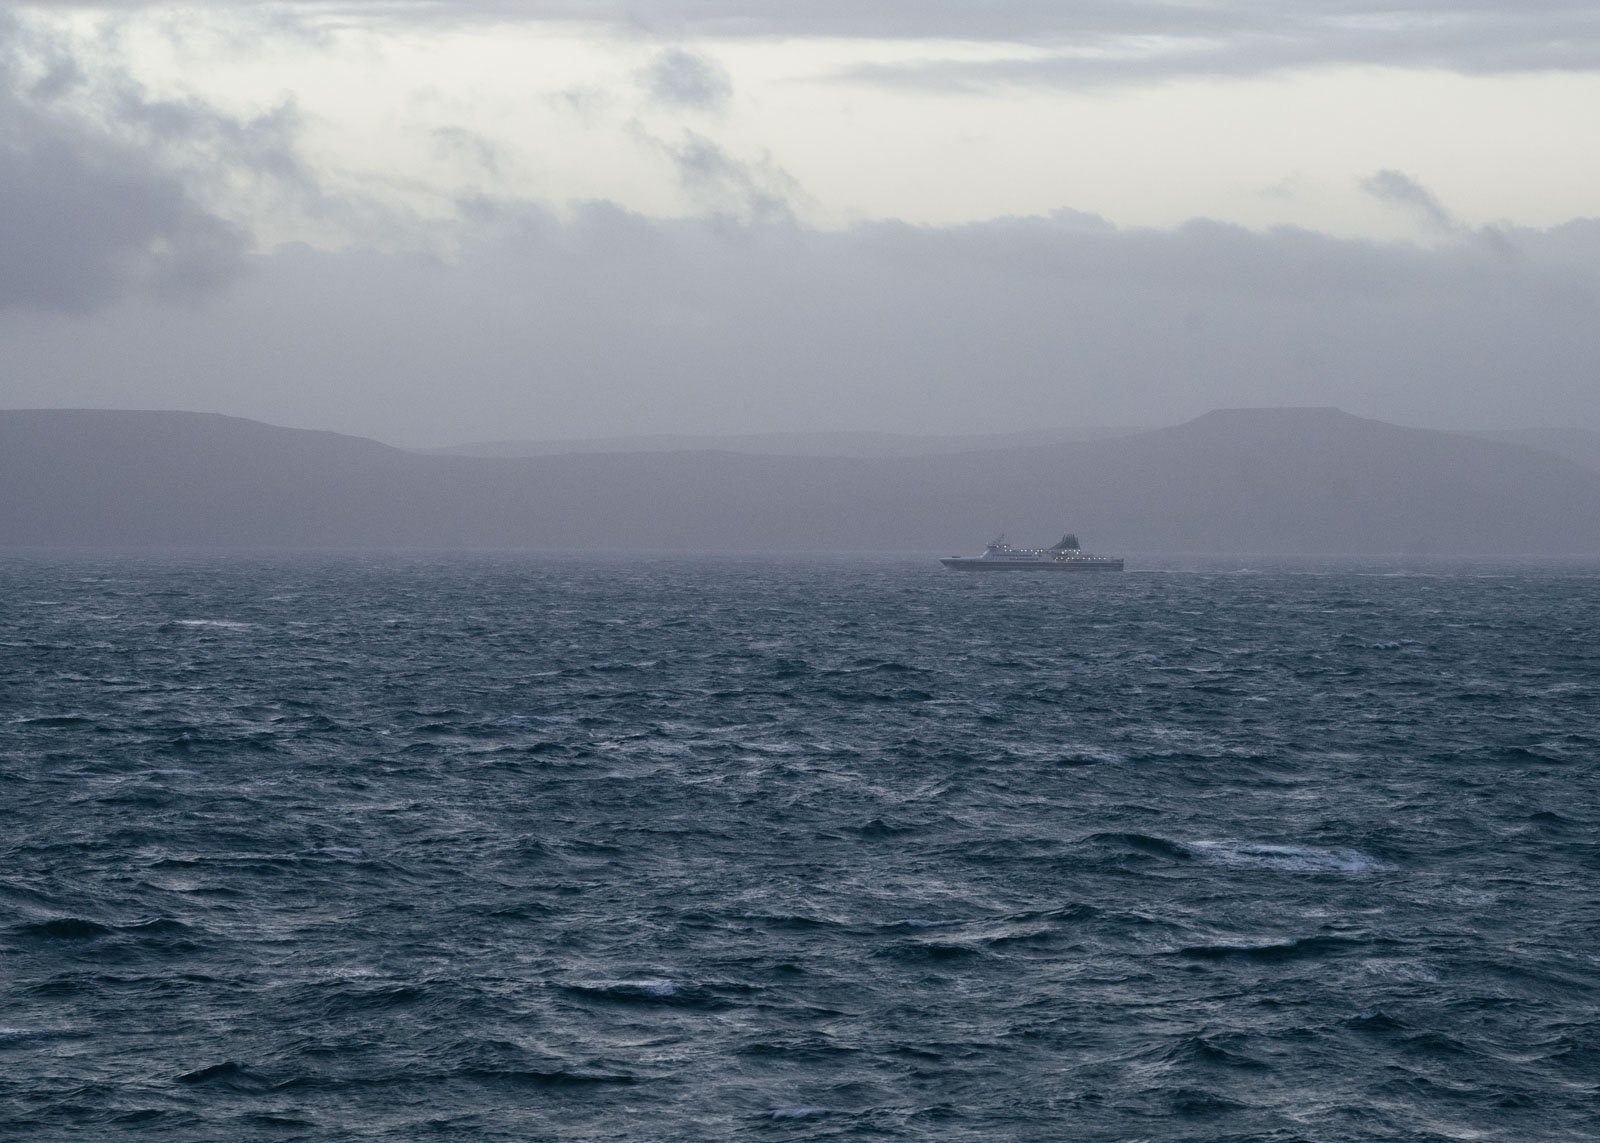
<point>978,563</point>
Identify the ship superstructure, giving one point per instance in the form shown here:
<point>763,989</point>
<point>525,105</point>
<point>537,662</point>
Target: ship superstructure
<point>1065,555</point>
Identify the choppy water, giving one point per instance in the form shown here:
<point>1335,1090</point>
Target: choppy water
<point>533,848</point>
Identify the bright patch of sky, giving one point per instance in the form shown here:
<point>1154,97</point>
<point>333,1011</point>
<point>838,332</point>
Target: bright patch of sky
<point>416,116</point>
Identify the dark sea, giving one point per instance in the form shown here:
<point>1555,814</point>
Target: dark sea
<point>540,848</point>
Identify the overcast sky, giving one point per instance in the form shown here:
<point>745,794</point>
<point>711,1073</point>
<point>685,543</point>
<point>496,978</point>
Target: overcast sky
<point>435,223</point>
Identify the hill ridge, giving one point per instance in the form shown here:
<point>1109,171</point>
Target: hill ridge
<point>1303,481</point>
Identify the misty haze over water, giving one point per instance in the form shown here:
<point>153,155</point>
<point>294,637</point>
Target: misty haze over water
<point>1305,481</point>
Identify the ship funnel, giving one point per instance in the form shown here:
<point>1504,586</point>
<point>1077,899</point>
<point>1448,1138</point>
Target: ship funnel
<point>1068,543</point>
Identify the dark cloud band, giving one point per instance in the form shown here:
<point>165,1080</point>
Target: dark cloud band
<point>608,322</point>
<point>1098,41</point>
<point>1086,41</point>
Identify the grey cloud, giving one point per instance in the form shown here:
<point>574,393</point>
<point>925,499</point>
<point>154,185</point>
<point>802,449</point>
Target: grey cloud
<point>84,215</point>
<point>80,225</point>
<point>609,323</point>
<point>1088,41</point>
<point>59,74</point>
<point>467,146</point>
<point>105,190</point>
<point>104,193</point>
<point>725,186</point>
<point>1163,42</point>
<point>1401,190</point>
<point>680,78</point>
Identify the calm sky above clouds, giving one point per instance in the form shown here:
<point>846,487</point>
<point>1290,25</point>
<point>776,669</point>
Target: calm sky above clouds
<point>485,219</point>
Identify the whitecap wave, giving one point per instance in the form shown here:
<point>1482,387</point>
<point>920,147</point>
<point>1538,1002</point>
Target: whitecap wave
<point>1289,858</point>
<point>656,988</point>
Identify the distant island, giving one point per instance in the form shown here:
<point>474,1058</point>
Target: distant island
<point>1269,481</point>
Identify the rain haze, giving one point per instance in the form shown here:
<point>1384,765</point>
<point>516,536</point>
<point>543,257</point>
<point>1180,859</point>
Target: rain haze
<point>436,224</point>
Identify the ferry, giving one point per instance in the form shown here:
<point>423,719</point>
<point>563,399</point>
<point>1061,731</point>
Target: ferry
<point>1065,555</point>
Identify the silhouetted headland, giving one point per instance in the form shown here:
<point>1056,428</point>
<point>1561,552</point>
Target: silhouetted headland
<point>1290,481</point>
